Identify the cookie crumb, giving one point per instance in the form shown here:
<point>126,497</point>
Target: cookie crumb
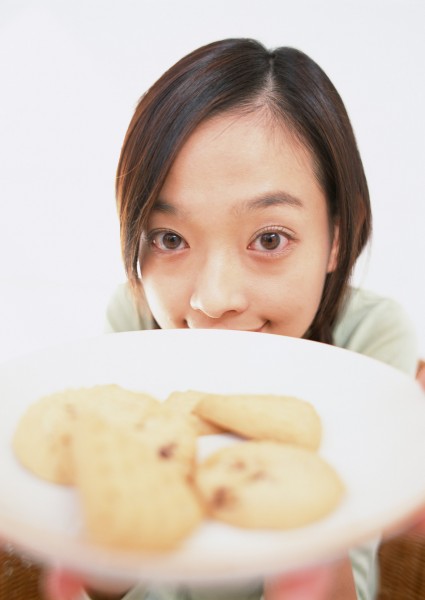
<point>167,451</point>
<point>222,497</point>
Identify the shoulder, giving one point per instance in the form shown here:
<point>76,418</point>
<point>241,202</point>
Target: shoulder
<point>377,327</point>
<point>126,312</point>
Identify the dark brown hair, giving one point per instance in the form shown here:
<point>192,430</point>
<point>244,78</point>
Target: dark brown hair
<point>241,75</point>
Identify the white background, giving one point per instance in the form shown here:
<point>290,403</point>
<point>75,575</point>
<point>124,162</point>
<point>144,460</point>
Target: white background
<point>70,76</point>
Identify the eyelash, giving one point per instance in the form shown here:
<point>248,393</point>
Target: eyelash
<point>275,252</point>
<point>150,239</point>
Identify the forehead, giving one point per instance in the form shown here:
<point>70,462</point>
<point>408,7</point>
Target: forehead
<point>251,136</point>
<point>235,157</point>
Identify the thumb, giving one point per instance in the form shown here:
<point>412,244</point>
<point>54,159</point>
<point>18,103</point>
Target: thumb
<point>62,585</point>
<point>309,585</point>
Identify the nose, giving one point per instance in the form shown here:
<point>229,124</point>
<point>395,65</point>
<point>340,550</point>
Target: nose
<point>219,287</point>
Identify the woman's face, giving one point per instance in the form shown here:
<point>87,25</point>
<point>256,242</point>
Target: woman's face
<point>240,235</point>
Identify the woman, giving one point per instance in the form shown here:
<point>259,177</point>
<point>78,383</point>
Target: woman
<point>243,205</point>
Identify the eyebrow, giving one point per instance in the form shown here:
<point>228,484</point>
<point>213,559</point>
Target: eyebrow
<point>164,207</point>
<point>277,198</point>
<point>266,200</point>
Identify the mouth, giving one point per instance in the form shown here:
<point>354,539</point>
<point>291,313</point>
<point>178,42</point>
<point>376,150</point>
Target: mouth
<point>227,328</point>
<point>259,329</point>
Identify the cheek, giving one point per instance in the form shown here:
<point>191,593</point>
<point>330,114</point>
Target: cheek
<point>157,293</point>
<point>166,297</point>
<point>292,299</point>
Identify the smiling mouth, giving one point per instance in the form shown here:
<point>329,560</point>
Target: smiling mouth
<point>260,329</point>
<point>257,330</point>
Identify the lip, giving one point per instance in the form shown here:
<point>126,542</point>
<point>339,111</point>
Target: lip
<point>254,330</point>
<point>259,330</point>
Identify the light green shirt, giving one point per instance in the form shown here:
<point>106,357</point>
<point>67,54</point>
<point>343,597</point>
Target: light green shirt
<point>369,324</point>
<point>377,327</point>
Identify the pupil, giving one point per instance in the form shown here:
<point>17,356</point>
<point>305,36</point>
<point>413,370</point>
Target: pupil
<point>171,241</point>
<point>270,241</point>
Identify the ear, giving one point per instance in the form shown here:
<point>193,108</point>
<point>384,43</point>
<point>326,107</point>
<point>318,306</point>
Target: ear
<point>333,255</point>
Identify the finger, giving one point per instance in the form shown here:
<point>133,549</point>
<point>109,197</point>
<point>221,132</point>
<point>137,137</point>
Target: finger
<point>62,585</point>
<point>420,527</point>
<point>414,523</point>
<point>421,376</point>
<point>310,585</point>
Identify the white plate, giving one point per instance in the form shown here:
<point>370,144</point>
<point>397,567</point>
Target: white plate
<point>374,435</point>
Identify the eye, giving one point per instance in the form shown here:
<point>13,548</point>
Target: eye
<point>271,240</point>
<point>166,241</point>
